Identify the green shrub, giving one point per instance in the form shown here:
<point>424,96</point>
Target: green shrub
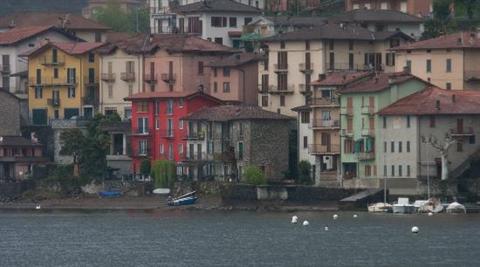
<point>304,168</point>
<point>253,175</point>
<point>163,173</point>
<point>145,167</point>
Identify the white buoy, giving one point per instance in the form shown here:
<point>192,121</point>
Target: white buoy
<point>326,228</point>
<point>335,216</point>
<point>306,223</point>
<point>294,219</point>
<point>355,215</point>
<point>415,230</point>
<point>430,214</point>
<point>38,207</point>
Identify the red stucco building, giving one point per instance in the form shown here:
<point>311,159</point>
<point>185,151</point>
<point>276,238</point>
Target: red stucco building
<point>157,129</point>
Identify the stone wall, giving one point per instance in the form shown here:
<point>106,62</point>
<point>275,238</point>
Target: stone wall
<point>9,114</point>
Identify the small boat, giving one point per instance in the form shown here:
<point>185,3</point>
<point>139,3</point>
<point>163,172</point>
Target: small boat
<point>187,195</point>
<point>431,205</point>
<point>380,207</point>
<point>109,194</point>
<point>403,206</point>
<point>161,191</point>
<point>456,207</point>
<point>183,201</point>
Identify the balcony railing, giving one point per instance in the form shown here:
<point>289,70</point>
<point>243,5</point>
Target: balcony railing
<point>273,89</point>
<point>326,124</point>
<point>168,77</point>
<point>146,152</point>
<point>324,149</point>
<point>368,132</point>
<point>196,156</point>
<point>90,100</point>
<point>5,69</point>
<point>324,101</point>
<point>158,12</point>
<point>49,61</point>
<point>346,133</point>
<point>348,111</point>
<point>462,132</point>
<point>366,156</point>
<point>127,76</point>
<point>195,136</point>
<point>54,102</point>
<point>368,110</point>
<point>90,81</point>
<point>150,77</point>
<point>167,133</point>
<point>108,77</point>
<point>304,88</point>
<point>306,68</point>
<point>142,131</point>
<point>51,82</point>
<point>280,67</point>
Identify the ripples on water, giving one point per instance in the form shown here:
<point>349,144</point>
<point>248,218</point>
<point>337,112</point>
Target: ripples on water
<point>181,238</point>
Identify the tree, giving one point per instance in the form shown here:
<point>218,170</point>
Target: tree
<point>73,143</point>
<point>145,167</point>
<point>304,175</point>
<point>119,20</point>
<point>443,149</point>
<point>253,175</point>
<point>163,173</point>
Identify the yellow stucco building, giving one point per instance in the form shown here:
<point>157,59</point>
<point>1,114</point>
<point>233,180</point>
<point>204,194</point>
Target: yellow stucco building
<point>63,81</point>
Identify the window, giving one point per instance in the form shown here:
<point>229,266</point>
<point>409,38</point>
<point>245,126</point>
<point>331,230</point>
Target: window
<point>240,150</point>
<point>348,146</point>
<point>408,146</point>
<point>142,124</point>
<point>432,122</point>
<point>71,92</point>
<point>393,170</point>
<point>282,100</point>
<point>218,22</point>
<point>247,20</point>
<point>180,148</point>
<point>91,57</point>
<point>169,127</point>
<point>130,89</point>
<point>56,114</point>
<point>180,102</point>
<point>282,44</point>
<point>157,107</point>
<point>429,65</point>
<point>200,67</point>
<point>332,61</point>
<point>471,140</point>
<point>54,55</point>
<point>142,147</point>
<point>214,72</point>
<point>408,121</point>
<point>157,123</point>
<point>392,146</point>
<point>218,40</point>
<point>170,106</point>
<point>390,59</point>
<point>459,146</point>
<point>110,91</point>
<point>305,117</point>
<point>305,142</point>
<point>233,22</point>
<point>180,124</point>
<point>142,107</point>
<point>226,72</point>
<point>408,65</point>
<point>368,170</point>
<point>448,86</point>
<point>385,170</point>
<point>448,65</point>
<point>215,87</point>
<point>384,122</point>
<point>162,149</point>
<point>264,101</point>
<point>98,37</point>
<point>400,171</point>
<point>38,91</point>
<point>400,148</point>
<point>307,45</point>
<point>127,113</point>
<point>385,147</point>
<point>408,170</point>
<point>331,44</point>
<point>350,45</point>
<point>226,87</point>
<point>55,73</point>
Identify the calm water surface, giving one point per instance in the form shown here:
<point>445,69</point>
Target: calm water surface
<point>236,239</point>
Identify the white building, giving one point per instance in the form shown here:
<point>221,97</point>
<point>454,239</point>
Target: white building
<point>220,21</point>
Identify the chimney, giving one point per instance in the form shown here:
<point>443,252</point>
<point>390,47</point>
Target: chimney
<point>437,104</point>
<point>454,98</point>
<point>321,77</point>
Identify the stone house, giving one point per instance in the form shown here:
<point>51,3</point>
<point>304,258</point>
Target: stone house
<point>10,114</point>
<point>229,138</point>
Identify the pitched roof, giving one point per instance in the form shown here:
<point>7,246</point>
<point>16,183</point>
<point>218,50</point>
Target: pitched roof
<point>232,112</point>
<point>377,83</point>
<point>455,40</point>
<point>73,22</point>
<point>371,15</point>
<point>19,34</point>
<point>17,141</point>
<point>296,21</point>
<point>235,60</point>
<point>339,78</point>
<point>74,48</point>
<point>436,101</point>
<point>336,31</point>
<point>217,6</point>
<point>187,95</point>
<point>183,43</point>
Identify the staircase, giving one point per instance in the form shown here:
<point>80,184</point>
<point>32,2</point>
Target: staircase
<point>462,168</point>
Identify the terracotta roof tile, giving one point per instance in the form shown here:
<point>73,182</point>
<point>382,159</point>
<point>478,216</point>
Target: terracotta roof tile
<point>232,112</point>
<point>28,19</point>
<point>152,95</point>
<point>371,15</point>
<point>18,34</point>
<point>217,6</point>
<point>73,48</point>
<point>235,60</point>
<point>339,78</point>
<point>436,101</point>
<point>377,83</point>
<point>455,40</point>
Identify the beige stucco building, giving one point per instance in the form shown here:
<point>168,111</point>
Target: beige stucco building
<point>449,62</point>
<point>297,58</point>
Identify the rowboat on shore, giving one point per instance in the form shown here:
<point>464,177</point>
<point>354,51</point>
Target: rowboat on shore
<point>186,199</point>
<point>108,194</point>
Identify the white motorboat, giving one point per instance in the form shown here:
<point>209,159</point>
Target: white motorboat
<point>380,207</point>
<point>456,207</point>
<point>431,205</point>
<point>403,206</point>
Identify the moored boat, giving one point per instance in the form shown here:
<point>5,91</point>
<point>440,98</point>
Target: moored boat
<point>108,194</point>
<point>183,201</point>
<point>456,207</point>
<point>380,207</point>
<point>403,206</point>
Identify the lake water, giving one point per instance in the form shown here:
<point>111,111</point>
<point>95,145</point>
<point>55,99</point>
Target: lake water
<point>183,238</point>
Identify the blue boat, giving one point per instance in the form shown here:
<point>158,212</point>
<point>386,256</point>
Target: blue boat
<point>108,194</point>
<point>187,199</point>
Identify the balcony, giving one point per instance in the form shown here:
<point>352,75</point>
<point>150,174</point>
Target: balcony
<point>168,77</point>
<point>108,77</point>
<point>161,12</point>
<point>368,110</point>
<point>141,131</point>
<point>305,89</point>
<point>273,89</point>
<point>325,102</point>
<point>196,156</point>
<point>90,81</point>
<point>306,68</point>
<point>47,82</point>
<point>324,149</point>
<point>262,89</point>
<point>368,132</point>
<point>346,133</point>
<point>150,78</point>
<point>462,132</point>
<point>90,100</point>
<point>167,133</point>
<point>127,76</point>
<point>50,61</point>
<point>139,152</point>
<point>5,69</point>
<point>54,102</point>
<point>280,68</point>
<point>195,136</point>
<point>326,124</point>
<point>347,111</point>
<point>363,156</point>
